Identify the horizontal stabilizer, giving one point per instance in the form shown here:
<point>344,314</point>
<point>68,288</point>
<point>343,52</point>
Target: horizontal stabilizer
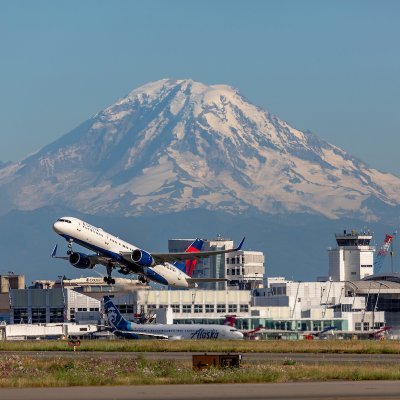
<point>54,254</point>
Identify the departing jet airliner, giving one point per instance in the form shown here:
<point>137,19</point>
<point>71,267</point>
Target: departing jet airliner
<point>129,330</point>
<point>112,252</point>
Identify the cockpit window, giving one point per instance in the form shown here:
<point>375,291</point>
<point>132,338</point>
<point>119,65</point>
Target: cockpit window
<point>64,220</point>
<point>233,330</point>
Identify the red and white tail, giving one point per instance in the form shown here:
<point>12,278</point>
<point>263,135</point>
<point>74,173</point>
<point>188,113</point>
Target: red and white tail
<point>230,320</point>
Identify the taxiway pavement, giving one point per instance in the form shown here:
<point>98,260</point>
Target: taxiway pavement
<point>338,390</point>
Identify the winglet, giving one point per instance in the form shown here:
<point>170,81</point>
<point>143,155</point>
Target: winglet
<point>240,245</point>
<point>54,252</point>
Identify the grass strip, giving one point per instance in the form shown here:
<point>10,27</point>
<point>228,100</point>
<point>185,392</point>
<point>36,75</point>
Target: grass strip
<point>22,371</point>
<point>245,346</point>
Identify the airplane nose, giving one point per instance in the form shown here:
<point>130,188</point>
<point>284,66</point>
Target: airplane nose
<point>56,226</point>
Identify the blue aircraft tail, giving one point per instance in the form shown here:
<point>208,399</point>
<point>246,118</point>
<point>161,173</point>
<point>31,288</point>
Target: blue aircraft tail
<point>115,319</point>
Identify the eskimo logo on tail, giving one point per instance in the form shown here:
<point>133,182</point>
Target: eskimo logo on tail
<point>189,265</point>
<point>113,315</point>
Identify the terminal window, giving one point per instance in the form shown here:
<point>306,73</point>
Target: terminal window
<point>209,308</point>
<point>123,308</point>
<point>347,307</point>
<point>232,308</point>
<point>198,308</point>
<point>244,308</point>
<point>38,315</point>
<point>56,315</point>
<point>186,308</point>
<point>176,308</point>
<point>20,315</point>
<point>221,308</point>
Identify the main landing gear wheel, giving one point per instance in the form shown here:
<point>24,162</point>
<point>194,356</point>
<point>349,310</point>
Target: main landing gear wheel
<point>109,280</point>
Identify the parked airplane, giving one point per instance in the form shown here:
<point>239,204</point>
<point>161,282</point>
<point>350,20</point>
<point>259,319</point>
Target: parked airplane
<point>129,330</point>
<point>112,252</point>
<point>230,320</point>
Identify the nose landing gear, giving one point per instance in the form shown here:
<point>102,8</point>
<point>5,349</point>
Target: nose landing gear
<point>70,251</point>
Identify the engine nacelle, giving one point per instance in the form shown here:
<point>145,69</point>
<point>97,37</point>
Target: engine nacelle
<point>142,258</point>
<point>80,260</point>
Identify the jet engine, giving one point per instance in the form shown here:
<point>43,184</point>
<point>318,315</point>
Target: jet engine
<point>142,258</point>
<point>80,260</point>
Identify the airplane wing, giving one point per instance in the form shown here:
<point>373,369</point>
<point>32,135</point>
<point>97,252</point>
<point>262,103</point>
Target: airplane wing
<point>94,259</point>
<point>160,258</point>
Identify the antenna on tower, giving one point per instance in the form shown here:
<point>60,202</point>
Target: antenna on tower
<point>380,258</point>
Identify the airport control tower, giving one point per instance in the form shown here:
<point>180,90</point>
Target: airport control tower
<point>353,258</point>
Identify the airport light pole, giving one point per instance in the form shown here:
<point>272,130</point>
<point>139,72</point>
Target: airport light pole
<point>61,277</point>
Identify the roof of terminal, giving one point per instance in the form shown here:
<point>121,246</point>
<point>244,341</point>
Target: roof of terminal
<point>375,285</point>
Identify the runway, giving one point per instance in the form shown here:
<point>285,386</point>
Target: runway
<point>377,390</point>
<point>306,358</point>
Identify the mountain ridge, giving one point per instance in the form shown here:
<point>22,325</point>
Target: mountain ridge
<point>175,145</point>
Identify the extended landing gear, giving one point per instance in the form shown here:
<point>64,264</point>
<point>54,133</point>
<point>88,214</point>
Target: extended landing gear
<point>108,279</point>
<point>143,279</point>
<point>70,251</point>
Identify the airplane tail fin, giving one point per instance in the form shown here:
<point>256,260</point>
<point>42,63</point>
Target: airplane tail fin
<point>230,320</point>
<point>189,265</point>
<point>115,319</point>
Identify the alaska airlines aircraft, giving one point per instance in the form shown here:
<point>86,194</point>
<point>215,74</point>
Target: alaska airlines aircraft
<point>129,330</point>
<point>112,252</point>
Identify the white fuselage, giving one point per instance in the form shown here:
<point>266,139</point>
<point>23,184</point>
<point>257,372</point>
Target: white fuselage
<point>189,331</point>
<point>107,245</point>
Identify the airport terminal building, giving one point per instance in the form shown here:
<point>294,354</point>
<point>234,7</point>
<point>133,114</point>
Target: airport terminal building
<point>283,307</point>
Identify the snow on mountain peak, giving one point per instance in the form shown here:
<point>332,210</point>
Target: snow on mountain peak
<point>172,145</point>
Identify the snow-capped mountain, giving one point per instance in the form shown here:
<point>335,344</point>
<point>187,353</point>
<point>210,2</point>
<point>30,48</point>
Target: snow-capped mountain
<point>174,145</point>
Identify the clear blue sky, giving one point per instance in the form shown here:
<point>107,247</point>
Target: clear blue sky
<point>329,66</point>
